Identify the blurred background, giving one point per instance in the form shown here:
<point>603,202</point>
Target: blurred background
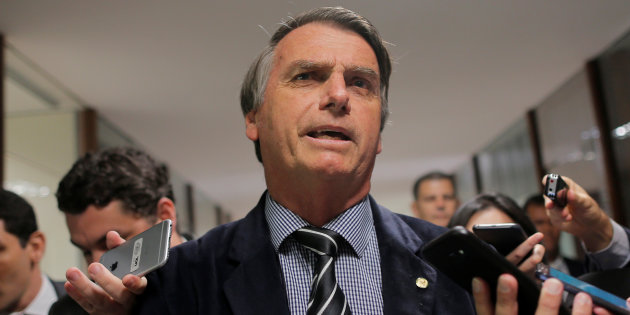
<point>496,92</point>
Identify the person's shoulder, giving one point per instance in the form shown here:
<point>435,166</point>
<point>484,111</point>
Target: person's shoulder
<point>65,305</point>
<point>209,252</point>
<point>197,269</point>
<point>212,242</point>
<point>576,267</point>
<point>401,222</point>
<point>57,286</point>
<point>218,239</point>
<point>422,227</point>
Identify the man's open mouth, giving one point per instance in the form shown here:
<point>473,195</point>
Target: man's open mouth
<point>328,135</point>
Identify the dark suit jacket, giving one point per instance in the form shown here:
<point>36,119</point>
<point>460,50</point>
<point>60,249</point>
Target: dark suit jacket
<point>576,267</point>
<point>58,286</point>
<point>234,269</point>
<point>64,305</point>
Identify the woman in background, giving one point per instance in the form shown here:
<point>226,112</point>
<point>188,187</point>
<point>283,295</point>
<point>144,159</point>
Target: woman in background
<point>491,208</point>
<point>494,208</point>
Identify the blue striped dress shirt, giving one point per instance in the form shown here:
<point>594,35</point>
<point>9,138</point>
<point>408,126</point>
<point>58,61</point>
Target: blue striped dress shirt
<point>357,267</point>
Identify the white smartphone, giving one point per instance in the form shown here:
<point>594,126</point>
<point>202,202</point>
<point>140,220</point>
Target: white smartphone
<point>141,254</point>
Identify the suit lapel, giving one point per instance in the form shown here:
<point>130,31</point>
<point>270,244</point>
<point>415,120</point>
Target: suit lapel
<point>401,267</point>
<point>255,286</point>
<point>58,286</point>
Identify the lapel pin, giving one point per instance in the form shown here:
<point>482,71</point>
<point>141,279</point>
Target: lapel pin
<point>422,283</point>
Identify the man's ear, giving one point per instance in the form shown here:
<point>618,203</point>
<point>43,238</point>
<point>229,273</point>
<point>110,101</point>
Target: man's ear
<point>36,246</point>
<point>166,210</point>
<point>251,129</point>
<point>414,208</point>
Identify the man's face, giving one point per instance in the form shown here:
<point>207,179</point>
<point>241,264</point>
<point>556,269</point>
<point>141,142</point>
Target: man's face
<point>436,201</point>
<point>88,229</point>
<point>538,215</point>
<point>321,111</point>
<point>16,268</point>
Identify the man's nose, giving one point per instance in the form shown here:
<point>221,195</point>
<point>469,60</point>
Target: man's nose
<point>336,94</point>
<point>440,202</point>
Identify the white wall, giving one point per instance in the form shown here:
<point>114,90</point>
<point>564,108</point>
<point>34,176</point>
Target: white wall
<point>40,149</point>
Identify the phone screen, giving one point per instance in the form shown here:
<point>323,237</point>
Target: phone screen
<point>574,285</point>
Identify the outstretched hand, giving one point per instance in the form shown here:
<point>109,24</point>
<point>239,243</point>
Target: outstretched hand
<point>581,217</point>
<point>528,266</point>
<point>107,294</point>
<point>549,302</point>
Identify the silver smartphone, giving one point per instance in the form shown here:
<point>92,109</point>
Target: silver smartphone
<point>141,254</point>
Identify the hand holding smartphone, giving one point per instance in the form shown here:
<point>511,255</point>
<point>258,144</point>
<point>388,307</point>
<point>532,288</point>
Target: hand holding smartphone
<point>462,256</point>
<point>573,285</point>
<point>504,237</point>
<point>141,254</point>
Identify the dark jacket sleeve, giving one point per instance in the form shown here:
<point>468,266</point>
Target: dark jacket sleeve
<point>66,306</point>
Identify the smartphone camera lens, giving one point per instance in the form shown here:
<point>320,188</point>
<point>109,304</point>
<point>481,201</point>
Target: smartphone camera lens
<point>457,253</point>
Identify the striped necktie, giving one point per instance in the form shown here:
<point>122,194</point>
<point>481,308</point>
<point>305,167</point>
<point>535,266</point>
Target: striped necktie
<point>326,296</point>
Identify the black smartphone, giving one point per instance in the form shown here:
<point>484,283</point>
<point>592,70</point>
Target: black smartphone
<point>556,190</point>
<point>141,254</point>
<point>573,285</point>
<point>504,237</point>
<point>461,256</point>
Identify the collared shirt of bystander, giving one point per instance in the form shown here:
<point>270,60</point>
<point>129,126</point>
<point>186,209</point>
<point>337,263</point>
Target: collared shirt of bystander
<point>43,300</point>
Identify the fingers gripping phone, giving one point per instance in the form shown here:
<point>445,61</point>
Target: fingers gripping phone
<point>504,237</point>
<point>556,190</point>
<point>141,254</point>
<point>573,285</point>
<point>462,256</point>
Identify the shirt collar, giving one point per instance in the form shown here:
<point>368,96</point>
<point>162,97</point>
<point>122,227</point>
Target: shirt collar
<point>354,224</point>
<point>45,297</point>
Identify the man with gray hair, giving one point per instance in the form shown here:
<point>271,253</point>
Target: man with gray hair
<point>315,102</point>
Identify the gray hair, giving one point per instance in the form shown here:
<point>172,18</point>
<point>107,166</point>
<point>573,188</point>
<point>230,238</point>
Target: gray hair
<point>255,82</point>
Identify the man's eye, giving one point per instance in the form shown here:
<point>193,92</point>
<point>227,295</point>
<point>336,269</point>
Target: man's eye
<point>303,76</point>
<point>360,83</point>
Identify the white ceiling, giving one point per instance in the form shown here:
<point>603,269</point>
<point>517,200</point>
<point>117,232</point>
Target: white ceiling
<point>168,73</point>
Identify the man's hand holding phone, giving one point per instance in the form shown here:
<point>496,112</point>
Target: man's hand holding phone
<point>549,301</point>
<point>530,245</point>
<point>581,216</point>
<point>109,295</point>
